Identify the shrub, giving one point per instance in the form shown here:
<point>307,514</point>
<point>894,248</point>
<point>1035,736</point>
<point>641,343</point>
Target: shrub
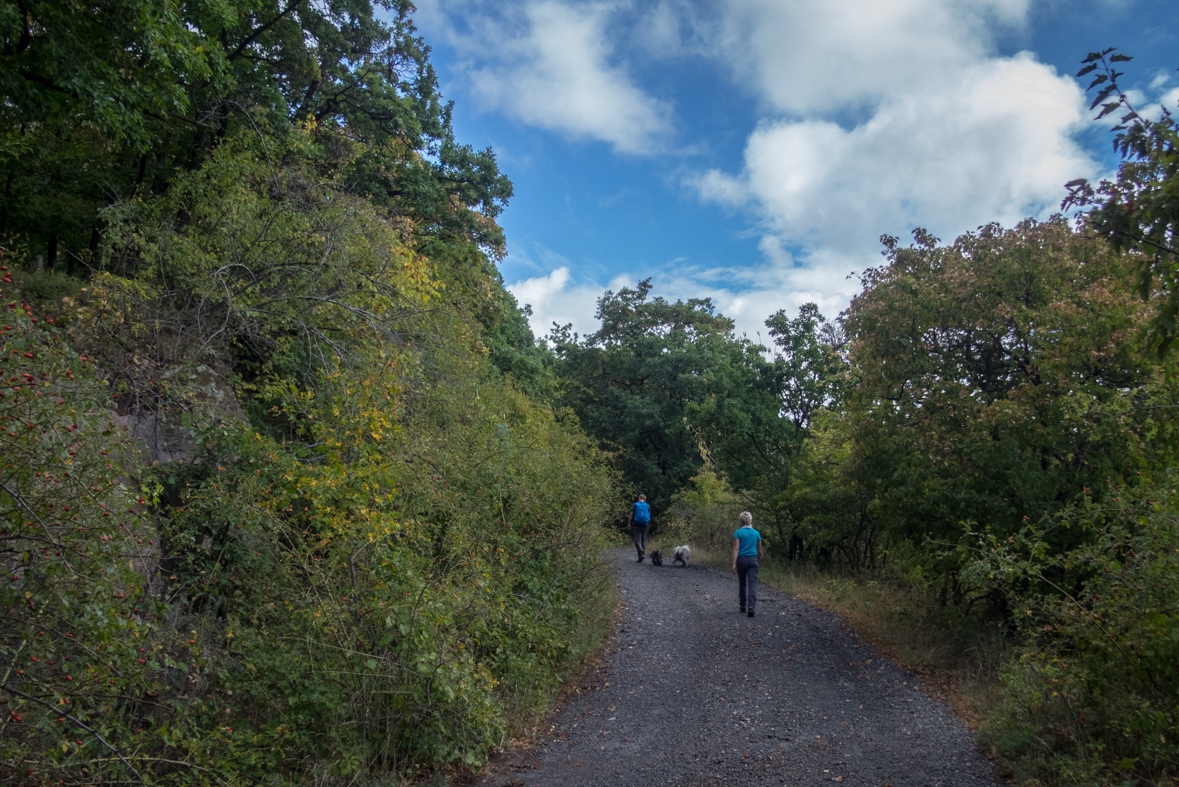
<point>387,593</point>
<point>74,549</point>
<point>1093,694</point>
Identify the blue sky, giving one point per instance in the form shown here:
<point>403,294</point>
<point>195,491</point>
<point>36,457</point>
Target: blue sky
<point>753,151</point>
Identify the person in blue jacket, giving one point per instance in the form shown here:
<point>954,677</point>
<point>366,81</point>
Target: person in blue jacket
<point>640,517</point>
<point>746,556</point>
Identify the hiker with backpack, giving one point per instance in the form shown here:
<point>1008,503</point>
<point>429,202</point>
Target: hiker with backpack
<point>640,518</point>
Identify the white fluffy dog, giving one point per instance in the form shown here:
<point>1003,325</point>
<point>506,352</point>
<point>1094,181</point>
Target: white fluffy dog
<point>682,555</point>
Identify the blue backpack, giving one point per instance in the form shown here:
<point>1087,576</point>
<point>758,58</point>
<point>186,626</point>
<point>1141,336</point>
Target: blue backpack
<point>642,513</point>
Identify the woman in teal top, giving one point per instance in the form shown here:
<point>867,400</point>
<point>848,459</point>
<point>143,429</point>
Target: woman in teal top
<point>746,556</point>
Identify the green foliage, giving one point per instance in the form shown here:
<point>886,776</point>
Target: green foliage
<point>1000,377</point>
<point>118,66</point>
<point>1091,696</point>
<point>759,419</point>
<point>147,90</point>
<point>77,554</point>
<point>832,498</point>
<point>373,549</point>
<point>670,386</point>
<point>248,252</point>
<point>1002,381</point>
<point>1139,210</point>
<point>390,592</point>
<point>87,94</point>
<point>390,567</point>
<point>706,513</point>
<point>632,383</point>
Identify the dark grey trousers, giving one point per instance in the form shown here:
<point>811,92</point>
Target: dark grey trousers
<point>747,575</point>
<point>640,534</point>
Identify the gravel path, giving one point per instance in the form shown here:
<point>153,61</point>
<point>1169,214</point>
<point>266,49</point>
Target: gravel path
<point>692,693</point>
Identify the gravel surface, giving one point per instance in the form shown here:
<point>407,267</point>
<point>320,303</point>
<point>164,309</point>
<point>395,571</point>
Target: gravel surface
<point>691,692</point>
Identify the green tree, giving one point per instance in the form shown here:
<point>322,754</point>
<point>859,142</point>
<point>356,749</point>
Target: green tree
<point>999,377</point>
<point>756,414</point>
<point>670,386</point>
<point>87,92</point>
<point>153,87</point>
<point>636,382</point>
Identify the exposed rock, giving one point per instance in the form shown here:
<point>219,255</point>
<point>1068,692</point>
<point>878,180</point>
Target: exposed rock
<point>192,390</point>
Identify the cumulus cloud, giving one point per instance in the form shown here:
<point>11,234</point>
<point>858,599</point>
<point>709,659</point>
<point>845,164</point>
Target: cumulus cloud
<point>552,65</point>
<point>818,56</point>
<point>874,117</point>
<point>879,117</point>
<point>747,295</point>
<point>556,298</point>
<point>995,145</point>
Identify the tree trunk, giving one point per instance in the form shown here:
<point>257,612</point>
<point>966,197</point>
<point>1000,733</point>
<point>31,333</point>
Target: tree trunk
<point>4,205</point>
<point>95,243</point>
<point>141,173</point>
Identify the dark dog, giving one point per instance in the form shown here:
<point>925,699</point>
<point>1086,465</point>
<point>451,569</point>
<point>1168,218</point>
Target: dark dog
<point>657,558</point>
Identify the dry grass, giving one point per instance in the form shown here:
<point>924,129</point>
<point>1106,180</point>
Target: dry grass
<point>957,656</point>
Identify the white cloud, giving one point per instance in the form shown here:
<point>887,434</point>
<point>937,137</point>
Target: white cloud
<point>552,65</point>
<point>747,295</point>
<point>995,145</point>
<point>876,116</point>
<point>555,298</point>
<point>882,116</point>
<point>808,56</point>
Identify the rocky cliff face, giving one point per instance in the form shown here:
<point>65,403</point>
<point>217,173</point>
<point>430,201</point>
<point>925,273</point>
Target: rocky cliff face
<point>197,393</point>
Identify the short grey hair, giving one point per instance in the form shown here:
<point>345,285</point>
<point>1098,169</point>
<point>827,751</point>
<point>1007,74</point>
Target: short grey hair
<point>746,518</point>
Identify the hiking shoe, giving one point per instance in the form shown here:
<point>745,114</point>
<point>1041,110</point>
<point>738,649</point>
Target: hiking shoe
<point>641,558</point>
<point>742,610</point>
<point>751,612</point>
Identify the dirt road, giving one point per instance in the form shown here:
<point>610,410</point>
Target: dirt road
<point>693,693</point>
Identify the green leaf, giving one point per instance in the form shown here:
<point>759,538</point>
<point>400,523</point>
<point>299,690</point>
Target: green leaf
<point>1103,94</point>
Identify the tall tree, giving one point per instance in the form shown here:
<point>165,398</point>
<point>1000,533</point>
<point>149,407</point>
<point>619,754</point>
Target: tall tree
<point>999,377</point>
<point>104,100</point>
<point>634,383</point>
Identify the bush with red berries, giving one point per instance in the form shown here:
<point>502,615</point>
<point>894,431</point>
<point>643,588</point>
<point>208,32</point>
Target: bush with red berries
<point>74,545</point>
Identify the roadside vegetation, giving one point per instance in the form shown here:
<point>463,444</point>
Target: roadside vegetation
<point>285,497</point>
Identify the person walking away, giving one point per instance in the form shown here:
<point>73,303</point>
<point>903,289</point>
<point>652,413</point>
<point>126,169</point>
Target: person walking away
<point>747,549</point>
<point>640,517</point>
